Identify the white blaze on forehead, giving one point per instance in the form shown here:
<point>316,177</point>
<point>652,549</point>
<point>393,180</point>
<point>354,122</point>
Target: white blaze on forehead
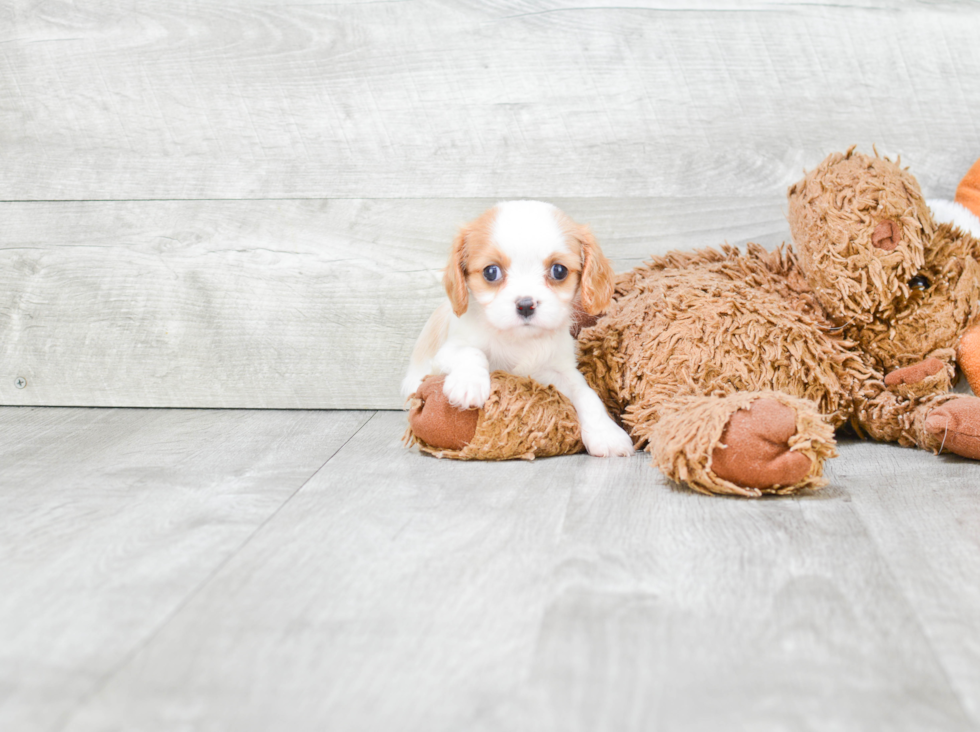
<point>528,232</point>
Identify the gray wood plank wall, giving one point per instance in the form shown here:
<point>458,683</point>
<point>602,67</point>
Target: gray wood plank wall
<point>246,204</point>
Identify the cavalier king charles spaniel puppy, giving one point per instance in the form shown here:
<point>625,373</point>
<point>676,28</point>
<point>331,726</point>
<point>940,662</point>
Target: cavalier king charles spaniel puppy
<point>514,277</point>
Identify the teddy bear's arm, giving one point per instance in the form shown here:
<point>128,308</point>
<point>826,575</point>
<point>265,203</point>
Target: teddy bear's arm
<point>915,410</point>
<point>955,425</point>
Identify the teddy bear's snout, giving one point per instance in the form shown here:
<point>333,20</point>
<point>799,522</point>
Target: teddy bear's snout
<point>887,235</point>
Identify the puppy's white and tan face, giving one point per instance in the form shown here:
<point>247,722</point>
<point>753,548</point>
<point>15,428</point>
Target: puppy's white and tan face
<point>525,262</point>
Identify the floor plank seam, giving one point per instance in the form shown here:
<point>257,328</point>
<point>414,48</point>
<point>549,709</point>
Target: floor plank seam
<point>140,645</point>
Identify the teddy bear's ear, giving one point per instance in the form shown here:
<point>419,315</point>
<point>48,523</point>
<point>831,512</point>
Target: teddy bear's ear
<point>597,274</point>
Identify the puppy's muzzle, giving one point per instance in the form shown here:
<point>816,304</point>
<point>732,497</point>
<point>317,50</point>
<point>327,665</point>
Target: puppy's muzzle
<point>525,307</point>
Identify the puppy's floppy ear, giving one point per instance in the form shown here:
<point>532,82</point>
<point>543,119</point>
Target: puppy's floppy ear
<point>454,278</point>
<point>597,274</point>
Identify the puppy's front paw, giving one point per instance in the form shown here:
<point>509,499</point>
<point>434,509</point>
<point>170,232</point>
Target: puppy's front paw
<point>411,384</point>
<point>467,388</point>
<point>607,439</point>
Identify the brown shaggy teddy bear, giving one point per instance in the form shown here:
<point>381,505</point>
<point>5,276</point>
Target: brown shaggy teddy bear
<point>734,368</point>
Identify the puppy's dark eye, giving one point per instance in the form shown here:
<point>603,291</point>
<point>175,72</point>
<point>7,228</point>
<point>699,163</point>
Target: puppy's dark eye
<point>492,273</point>
<point>559,272</point>
<point>919,283</point>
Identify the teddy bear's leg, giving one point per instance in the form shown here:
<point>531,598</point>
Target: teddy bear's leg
<point>436,422</point>
<point>747,443</point>
<point>520,419</point>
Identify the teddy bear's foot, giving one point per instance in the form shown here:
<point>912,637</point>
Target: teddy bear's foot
<point>746,444</point>
<point>954,426</point>
<point>755,450</point>
<point>520,419</point>
<point>436,422</point>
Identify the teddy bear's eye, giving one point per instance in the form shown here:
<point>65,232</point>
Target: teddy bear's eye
<point>491,273</point>
<point>919,283</point>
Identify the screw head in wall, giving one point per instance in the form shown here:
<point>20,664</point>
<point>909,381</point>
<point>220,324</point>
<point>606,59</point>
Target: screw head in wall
<point>20,382</point>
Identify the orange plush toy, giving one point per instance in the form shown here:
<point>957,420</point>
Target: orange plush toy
<point>964,212</point>
<point>968,192</point>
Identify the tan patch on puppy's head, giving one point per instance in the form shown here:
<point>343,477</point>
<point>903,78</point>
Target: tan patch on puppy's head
<point>571,261</point>
<point>472,241</point>
<point>483,253</point>
<point>596,273</point>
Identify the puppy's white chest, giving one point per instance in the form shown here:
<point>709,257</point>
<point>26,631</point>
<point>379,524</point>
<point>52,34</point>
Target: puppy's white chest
<point>529,357</point>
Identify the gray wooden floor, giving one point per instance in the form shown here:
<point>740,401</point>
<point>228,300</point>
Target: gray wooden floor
<point>297,570</point>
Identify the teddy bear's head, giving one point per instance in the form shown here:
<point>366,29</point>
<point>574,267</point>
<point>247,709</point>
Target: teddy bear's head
<point>883,271</point>
<point>859,227</point>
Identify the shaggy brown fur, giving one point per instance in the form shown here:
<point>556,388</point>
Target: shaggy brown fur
<point>715,323</point>
<point>859,324</point>
<point>903,304</point>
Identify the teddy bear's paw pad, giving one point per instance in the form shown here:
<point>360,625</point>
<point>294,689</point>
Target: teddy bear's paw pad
<point>915,373</point>
<point>956,424</point>
<point>437,422</point>
<point>755,450</point>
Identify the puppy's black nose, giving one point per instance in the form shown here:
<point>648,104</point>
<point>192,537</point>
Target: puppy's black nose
<point>525,306</point>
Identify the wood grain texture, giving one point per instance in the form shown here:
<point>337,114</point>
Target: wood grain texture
<point>395,591</point>
<point>143,100</point>
<point>271,304</point>
<point>665,124</point>
<point>111,519</point>
<point>928,534</point>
